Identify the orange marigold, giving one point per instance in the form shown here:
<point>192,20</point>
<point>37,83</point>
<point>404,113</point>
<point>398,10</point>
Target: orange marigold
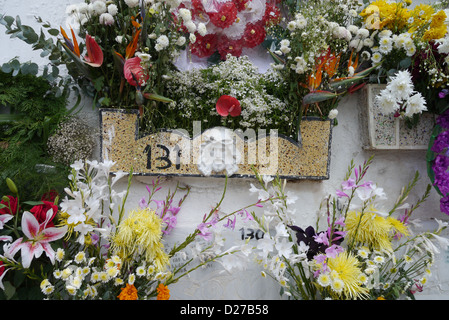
<point>163,293</point>
<point>128,293</point>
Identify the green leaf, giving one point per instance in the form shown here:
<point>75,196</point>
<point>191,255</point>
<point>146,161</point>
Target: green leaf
<point>156,97</point>
<point>318,96</point>
<point>53,32</point>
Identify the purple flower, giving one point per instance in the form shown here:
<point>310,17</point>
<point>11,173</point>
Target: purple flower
<point>230,223</point>
<point>203,228</point>
<point>246,216</point>
<point>443,93</point>
<point>333,251</point>
<point>444,205</point>
<point>348,184</point>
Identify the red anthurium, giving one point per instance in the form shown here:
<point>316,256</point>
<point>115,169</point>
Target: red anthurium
<point>134,72</point>
<point>227,105</point>
<point>94,55</point>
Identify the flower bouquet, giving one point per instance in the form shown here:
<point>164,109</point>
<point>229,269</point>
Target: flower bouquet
<point>409,45</point>
<point>363,252</point>
<point>96,249</point>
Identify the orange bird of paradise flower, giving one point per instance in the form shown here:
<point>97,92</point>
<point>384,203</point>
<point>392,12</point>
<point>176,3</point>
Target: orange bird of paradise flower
<point>94,56</point>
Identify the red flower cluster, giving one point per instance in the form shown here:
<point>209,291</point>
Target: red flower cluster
<point>39,211</point>
<point>222,17</point>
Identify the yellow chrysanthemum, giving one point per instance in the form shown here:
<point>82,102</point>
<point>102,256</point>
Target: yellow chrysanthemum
<point>140,234</point>
<point>435,33</point>
<point>372,229</point>
<point>347,275</point>
<point>391,16</point>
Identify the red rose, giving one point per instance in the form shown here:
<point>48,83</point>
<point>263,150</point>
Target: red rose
<point>204,46</point>
<point>11,206</point>
<point>40,212</point>
<point>226,15</point>
<point>254,34</point>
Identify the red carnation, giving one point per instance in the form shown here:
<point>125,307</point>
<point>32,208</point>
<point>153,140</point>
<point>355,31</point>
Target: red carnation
<point>225,16</point>
<point>233,47</point>
<point>272,15</point>
<point>241,4</point>
<point>11,206</point>
<point>204,46</point>
<point>227,105</point>
<point>40,212</point>
<point>254,35</point>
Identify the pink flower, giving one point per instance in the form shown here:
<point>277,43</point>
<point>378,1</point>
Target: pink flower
<point>227,105</point>
<point>204,231</point>
<point>134,73</point>
<point>38,238</point>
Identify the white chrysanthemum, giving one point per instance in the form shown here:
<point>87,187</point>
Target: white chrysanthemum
<point>185,14</point>
<point>387,102</point>
<point>131,278</point>
<point>301,23</point>
<point>99,7</point>
<point>202,29</point>
<point>59,254</point>
<point>67,272</point>
<point>416,104</point>
<point>140,271</point>
<point>95,277</point>
<point>57,274</point>
<point>401,85</point>
<point>181,41</point>
<point>376,57</point>
<point>362,33</point>
<point>112,9</point>
<point>337,285</point>
<point>132,3</point>
<point>118,282</point>
<point>291,25</point>
<point>71,290</point>
<point>324,279</point>
<point>76,282</point>
<point>190,26</point>
<point>80,257</point>
<point>379,259</point>
<point>112,272</point>
<point>48,290</point>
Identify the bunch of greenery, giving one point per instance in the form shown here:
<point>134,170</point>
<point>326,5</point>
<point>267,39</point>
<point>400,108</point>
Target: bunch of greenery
<point>30,111</point>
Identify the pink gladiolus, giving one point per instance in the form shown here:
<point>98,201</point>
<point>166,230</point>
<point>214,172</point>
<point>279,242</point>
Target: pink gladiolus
<point>94,55</point>
<point>38,238</point>
<point>134,73</point>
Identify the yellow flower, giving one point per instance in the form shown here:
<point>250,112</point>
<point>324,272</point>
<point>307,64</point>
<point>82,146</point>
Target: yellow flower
<point>128,293</point>
<point>140,234</point>
<point>372,229</point>
<point>435,33</point>
<point>347,275</point>
<point>163,293</point>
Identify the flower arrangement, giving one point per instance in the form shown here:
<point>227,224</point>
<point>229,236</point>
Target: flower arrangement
<point>409,40</point>
<point>227,27</point>
<point>314,54</point>
<point>363,252</point>
<point>95,249</point>
<point>197,95</point>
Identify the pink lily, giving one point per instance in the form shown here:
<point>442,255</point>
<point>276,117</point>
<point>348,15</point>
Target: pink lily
<point>38,238</point>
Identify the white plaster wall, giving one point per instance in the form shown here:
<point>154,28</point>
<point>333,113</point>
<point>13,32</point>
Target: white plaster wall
<point>391,170</point>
